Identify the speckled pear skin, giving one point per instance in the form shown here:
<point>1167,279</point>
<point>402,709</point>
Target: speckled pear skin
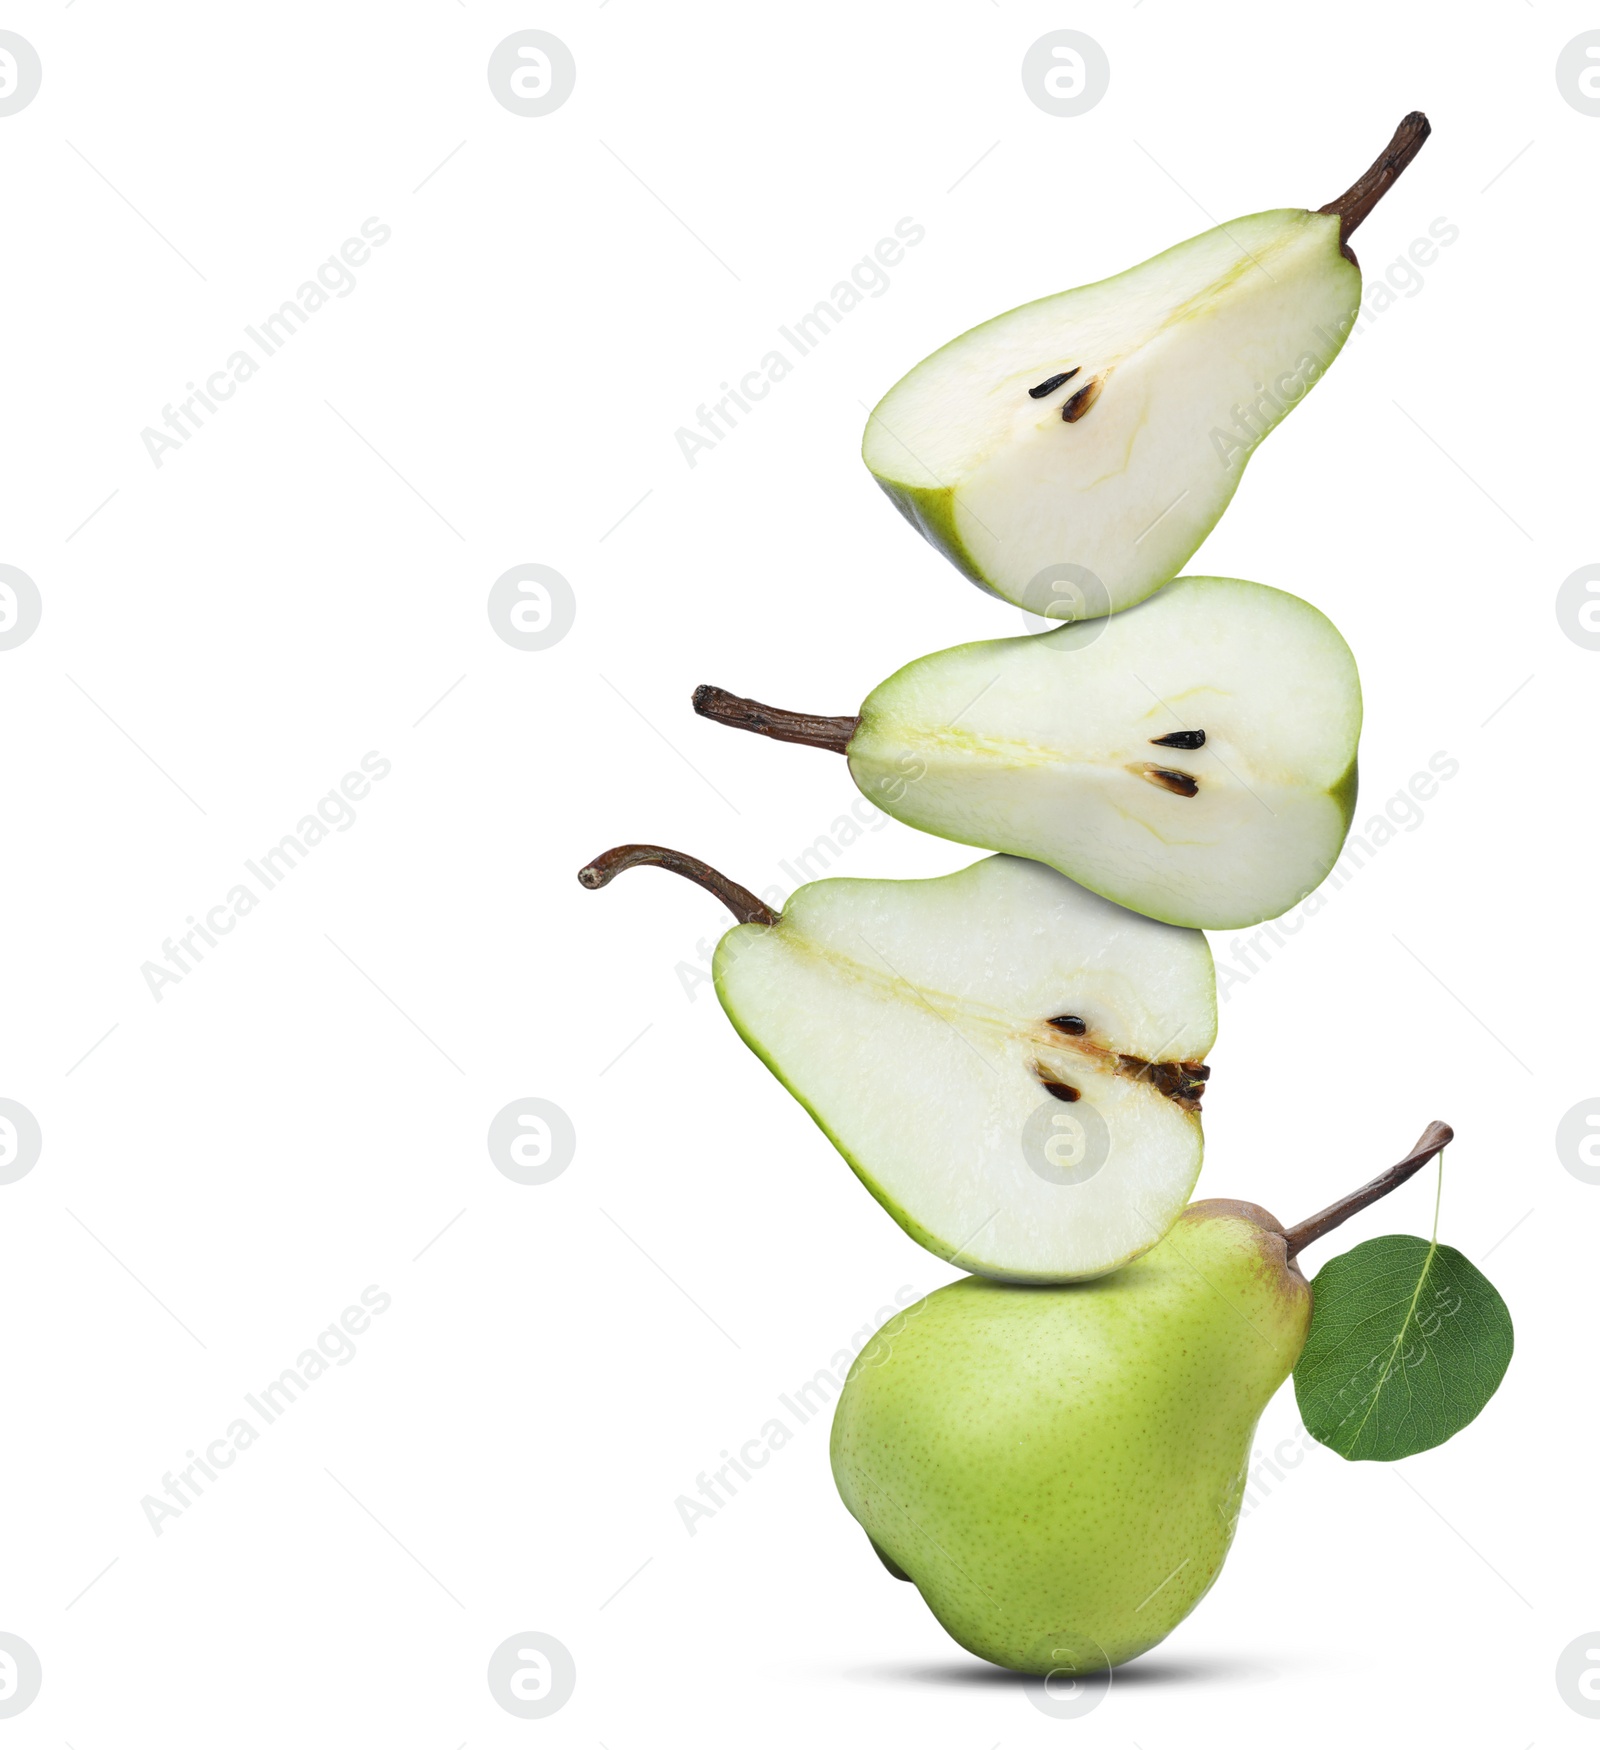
<point>1059,1470</point>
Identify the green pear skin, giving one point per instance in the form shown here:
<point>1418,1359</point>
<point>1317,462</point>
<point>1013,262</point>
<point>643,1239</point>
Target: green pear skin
<point>1059,1470</point>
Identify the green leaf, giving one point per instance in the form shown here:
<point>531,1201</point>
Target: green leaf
<point>1408,1342</point>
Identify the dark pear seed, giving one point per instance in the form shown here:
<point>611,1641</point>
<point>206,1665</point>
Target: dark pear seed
<point>1178,1081</point>
<point>1061,1091</point>
<point>1040,390</point>
<point>1190,738</point>
<point>1068,1024</point>
<point>1179,783</point>
<point>1075,406</point>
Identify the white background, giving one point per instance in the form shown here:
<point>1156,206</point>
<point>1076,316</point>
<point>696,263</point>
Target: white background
<point>306,1111</point>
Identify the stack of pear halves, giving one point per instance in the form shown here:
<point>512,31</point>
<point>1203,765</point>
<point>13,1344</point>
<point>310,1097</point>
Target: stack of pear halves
<point>1012,1058</point>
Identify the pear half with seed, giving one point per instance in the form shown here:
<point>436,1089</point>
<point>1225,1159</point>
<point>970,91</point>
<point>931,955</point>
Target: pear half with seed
<point>1193,758</point>
<point>1012,1065</point>
<point>1072,454</point>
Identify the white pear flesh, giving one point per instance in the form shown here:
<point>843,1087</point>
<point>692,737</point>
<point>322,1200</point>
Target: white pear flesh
<point>1198,354</point>
<point>911,1020</point>
<point>1042,746</point>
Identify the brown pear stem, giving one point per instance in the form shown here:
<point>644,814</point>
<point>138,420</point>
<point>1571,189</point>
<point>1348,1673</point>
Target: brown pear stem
<point>832,733</point>
<point>739,900</point>
<point>1325,1221</point>
<point>1375,182</point>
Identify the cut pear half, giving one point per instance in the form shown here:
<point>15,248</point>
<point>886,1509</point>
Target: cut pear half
<point>1193,758</point>
<point>1012,1065</point>
<point>1070,455</point>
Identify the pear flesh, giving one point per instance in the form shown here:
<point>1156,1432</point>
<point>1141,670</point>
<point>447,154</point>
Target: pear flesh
<point>1085,499</point>
<point>1193,759</point>
<point>1011,1064</point>
<point>1060,1471</point>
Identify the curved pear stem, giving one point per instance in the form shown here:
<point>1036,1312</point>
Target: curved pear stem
<point>1375,182</point>
<point>832,733</point>
<point>1325,1221</point>
<point>739,900</point>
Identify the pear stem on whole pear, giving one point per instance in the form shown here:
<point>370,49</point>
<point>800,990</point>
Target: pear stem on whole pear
<point>1375,182</point>
<point>1325,1221</point>
<point>739,900</point>
<point>832,733</point>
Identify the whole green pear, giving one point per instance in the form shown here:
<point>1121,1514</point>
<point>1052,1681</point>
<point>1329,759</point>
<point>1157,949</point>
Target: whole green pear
<point>1060,1469</point>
